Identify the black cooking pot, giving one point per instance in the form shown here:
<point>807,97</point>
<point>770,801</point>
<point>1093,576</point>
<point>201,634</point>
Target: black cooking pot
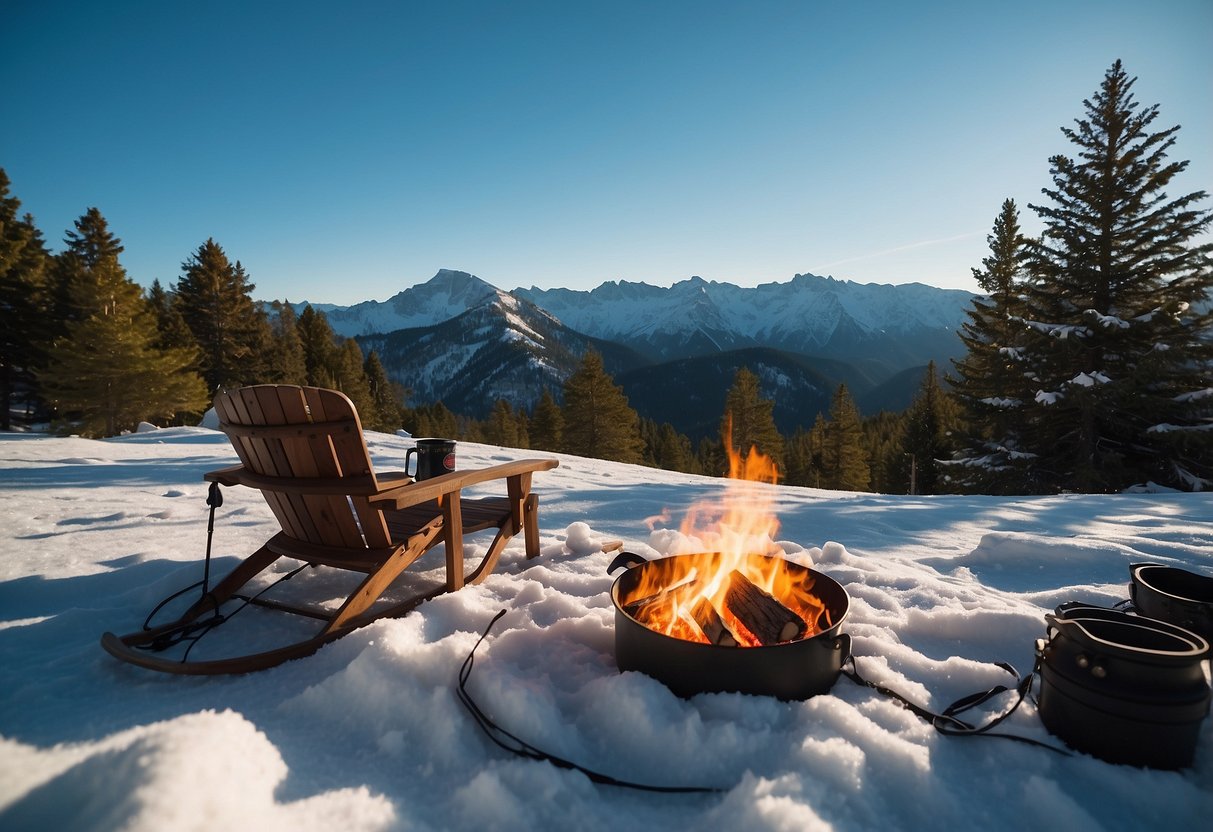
<point>1173,595</point>
<point>1124,688</point>
<point>788,670</point>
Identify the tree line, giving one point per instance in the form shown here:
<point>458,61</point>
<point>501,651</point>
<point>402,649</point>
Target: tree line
<point>87,348</point>
<point>1088,364</point>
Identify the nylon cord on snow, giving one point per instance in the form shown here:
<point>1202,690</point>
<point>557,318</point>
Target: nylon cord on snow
<point>522,748</point>
<point>195,630</point>
<point>948,723</point>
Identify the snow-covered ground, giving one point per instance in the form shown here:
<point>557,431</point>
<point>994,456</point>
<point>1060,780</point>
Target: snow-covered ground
<point>368,733</point>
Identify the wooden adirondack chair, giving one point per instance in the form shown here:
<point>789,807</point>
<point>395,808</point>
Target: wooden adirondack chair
<point>303,448</point>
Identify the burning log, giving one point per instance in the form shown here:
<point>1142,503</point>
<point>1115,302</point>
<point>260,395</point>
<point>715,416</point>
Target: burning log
<point>669,595</point>
<point>764,616</point>
<point>712,624</point>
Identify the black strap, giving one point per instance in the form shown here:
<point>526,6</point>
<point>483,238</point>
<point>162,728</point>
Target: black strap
<point>948,722</point>
<point>194,630</point>
<point>522,748</point>
<point>214,499</point>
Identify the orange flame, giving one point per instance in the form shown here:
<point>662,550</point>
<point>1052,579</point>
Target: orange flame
<point>731,530</point>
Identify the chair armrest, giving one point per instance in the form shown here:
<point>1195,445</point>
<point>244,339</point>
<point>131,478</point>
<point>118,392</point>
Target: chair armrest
<point>405,495</point>
<point>225,476</point>
<point>359,486</point>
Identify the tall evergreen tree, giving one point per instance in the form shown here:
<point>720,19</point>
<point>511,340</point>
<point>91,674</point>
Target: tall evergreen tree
<point>351,379</point>
<point>215,299</point>
<point>1119,344</point>
<point>844,465</point>
<point>990,384</point>
<point>319,347</point>
<point>436,420</point>
<point>23,301</point>
<point>547,423</point>
<point>666,448</point>
<point>884,444</point>
<point>105,374</point>
<point>502,427</point>
<point>930,426</point>
<point>174,332</point>
<point>801,467</point>
<point>750,417</point>
<point>388,396</point>
<point>89,245</point>
<point>597,419</point>
<point>286,364</point>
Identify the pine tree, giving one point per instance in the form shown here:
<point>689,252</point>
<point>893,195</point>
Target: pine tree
<point>286,364</point>
<point>800,464</point>
<point>666,448</point>
<point>435,420</point>
<point>930,425</point>
<point>597,419</point>
<point>844,466</point>
<point>884,441</point>
<point>174,332</point>
<point>351,378</point>
<point>89,245</point>
<point>105,374</point>
<point>388,396</point>
<point>502,428</point>
<point>215,299</point>
<point>24,300</point>
<point>990,385</point>
<point>1119,342</point>
<point>749,415</point>
<point>319,347</point>
<point>547,423</point>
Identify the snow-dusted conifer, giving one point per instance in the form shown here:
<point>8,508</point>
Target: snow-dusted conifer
<point>990,385</point>
<point>1118,331</point>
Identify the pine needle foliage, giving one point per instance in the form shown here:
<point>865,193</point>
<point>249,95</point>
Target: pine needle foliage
<point>598,422</point>
<point>1119,344</point>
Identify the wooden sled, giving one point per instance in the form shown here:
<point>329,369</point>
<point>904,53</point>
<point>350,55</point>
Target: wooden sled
<point>303,448</point>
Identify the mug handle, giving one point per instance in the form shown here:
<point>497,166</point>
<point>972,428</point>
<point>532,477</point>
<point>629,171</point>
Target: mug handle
<point>409,452</point>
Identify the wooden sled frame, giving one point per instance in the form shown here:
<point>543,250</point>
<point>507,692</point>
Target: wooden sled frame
<point>304,449</point>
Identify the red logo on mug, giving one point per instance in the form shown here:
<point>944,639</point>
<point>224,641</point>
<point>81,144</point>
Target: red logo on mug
<point>448,461</point>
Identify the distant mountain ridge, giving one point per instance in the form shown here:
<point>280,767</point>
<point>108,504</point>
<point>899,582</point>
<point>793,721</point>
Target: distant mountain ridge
<point>502,348</point>
<point>460,339</point>
<point>809,315</point>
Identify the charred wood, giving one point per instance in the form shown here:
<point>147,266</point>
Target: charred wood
<point>760,612</point>
<point>670,595</point>
<point>712,624</point>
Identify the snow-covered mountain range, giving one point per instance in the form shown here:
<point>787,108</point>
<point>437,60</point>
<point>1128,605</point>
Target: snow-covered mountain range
<point>461,339</point>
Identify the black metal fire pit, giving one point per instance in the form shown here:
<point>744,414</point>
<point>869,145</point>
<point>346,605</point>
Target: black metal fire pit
<point>794,669</point>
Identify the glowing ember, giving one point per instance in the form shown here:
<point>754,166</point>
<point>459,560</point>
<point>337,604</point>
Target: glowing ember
<point>745,583</point>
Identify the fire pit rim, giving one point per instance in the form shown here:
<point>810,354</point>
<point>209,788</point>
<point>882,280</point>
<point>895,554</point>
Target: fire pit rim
<point>789,670</point>
<point>632,560</point>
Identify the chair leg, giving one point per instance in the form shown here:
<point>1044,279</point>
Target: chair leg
<point>489,563</point>
<point>244,572</point>
<point>530,523</point>
<point>379,580</point>
<point>452,516</point>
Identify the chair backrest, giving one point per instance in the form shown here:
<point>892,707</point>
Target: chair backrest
<point>295,434</point>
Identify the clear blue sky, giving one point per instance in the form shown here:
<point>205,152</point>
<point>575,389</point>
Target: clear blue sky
<point>345,151</point>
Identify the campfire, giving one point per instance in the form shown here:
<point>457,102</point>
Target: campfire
<point>742,592</point>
